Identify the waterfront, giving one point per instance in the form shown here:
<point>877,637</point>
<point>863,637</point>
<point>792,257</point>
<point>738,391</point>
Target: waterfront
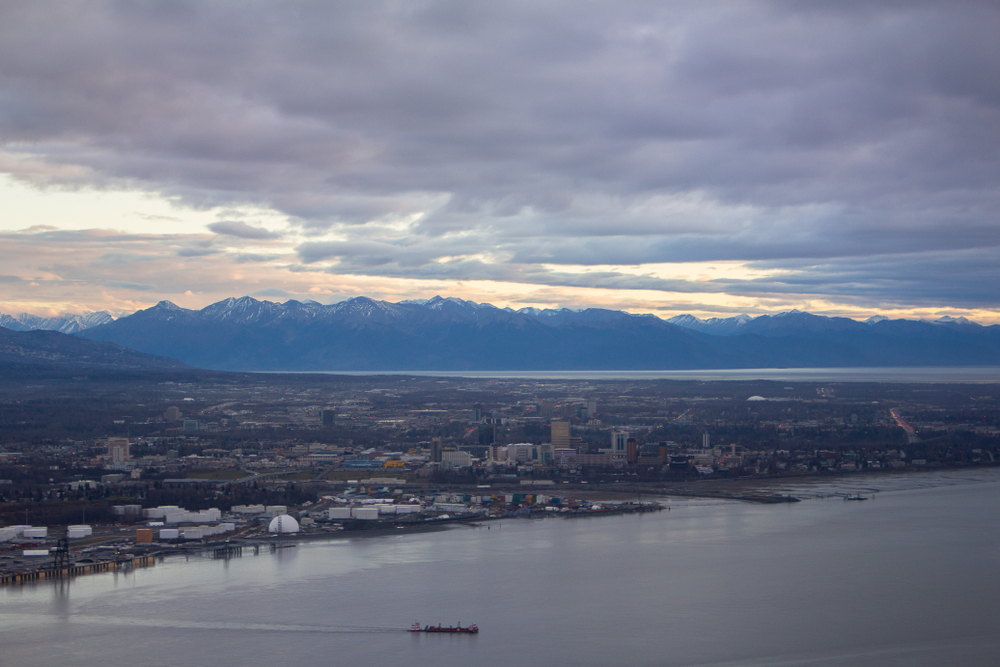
<point>905,579</point>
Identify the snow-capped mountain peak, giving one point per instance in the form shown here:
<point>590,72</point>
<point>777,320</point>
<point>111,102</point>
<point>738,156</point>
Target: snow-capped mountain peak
<point>65,323</point>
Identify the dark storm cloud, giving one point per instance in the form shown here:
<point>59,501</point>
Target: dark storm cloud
<point>857,142</point>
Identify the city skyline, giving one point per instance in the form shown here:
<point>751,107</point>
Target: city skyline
<point>743,157</point>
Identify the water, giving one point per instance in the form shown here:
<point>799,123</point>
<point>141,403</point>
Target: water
<point>906,579</point>
<point>949,374</point>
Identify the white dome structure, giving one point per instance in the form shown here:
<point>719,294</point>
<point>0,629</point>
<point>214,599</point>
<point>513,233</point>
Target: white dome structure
<point>756,398</point>
<point>283,524</point>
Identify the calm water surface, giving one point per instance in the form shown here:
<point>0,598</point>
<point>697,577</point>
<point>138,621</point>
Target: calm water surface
<point>947,374</point>
<point>909,578</point>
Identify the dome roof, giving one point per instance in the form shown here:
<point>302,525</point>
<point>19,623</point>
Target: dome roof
<point>283,524</point>
<point>756,398</point>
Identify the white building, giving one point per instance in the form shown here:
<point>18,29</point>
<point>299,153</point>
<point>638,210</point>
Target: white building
<point>456,459</point>
<point>118,450</point>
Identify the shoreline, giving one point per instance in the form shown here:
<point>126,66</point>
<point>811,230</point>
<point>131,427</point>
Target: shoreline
<point>642,497</point>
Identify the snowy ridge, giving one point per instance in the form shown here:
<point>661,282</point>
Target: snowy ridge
<point>361,333</point>
<point>247,310</point>
<point>67,324</point>
<point>718,326</point>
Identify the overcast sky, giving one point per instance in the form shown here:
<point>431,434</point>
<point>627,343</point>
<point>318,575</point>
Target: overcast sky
<point>705,157</point>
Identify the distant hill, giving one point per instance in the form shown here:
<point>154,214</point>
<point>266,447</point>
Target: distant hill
<point>363,334</point>
<point>54,349</point>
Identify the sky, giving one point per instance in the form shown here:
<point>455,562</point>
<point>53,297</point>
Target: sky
<point>712,158</point>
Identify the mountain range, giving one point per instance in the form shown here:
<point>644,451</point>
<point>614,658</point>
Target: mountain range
<point>67,324</point>
<point>362,334</point>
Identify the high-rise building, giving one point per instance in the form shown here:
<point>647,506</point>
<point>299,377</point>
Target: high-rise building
<point>477,412</point>
<point>118,449</point>
<point>329,417</point>
<point>632,450</point>
<point>591,409</point>
<point>619,446</point>
<point>560,434</point>
<point>487,434</point>
<point>436,450</point>
<point>172,414</point>
<point>705,440</point>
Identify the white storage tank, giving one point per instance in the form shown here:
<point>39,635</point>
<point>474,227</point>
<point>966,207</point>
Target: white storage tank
<point>335,513</point>
<point>386,509</point>
<point>247,509</point>
<point>29,553</point>
<point>283,524</point>
<point>227,527</point>
<point>364,513</point>
<point>169,534</point>
<point>160,512</point>
<point>36,532</point>
<point>76,532</point>
<point>276,510</point>
<point>205,516</point>
<point>192,534</point>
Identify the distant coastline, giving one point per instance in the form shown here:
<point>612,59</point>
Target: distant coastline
<point>901,374</point>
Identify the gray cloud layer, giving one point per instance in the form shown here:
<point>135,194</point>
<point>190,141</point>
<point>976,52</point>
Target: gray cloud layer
<point>857,144</point>
<point>242,230</point>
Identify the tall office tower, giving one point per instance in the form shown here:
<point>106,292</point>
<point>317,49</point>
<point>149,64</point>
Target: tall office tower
<point>705,441</point>
<point>632,450</point>
<point>619,445</point>
<point>487,434</point>
<point>329,417</point>
<point>172,414</point>
<point>477,412</point>
<point>118,449</point>
<point>591,409</point>
<point>436,450</point>
<point>560,434</point>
